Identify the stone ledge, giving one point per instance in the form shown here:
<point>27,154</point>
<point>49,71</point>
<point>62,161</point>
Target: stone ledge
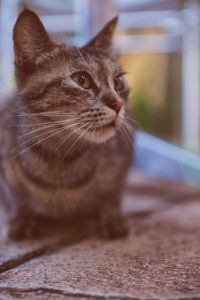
<point>159,260</point>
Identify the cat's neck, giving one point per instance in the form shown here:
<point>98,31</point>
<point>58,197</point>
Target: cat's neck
<point>70,166</point>
<point>59,145</point>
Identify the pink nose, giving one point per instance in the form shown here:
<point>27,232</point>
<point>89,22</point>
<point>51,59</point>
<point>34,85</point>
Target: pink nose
<point>116,105</point>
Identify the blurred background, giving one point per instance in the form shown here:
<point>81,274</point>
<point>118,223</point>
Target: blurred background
<point>160,45</point>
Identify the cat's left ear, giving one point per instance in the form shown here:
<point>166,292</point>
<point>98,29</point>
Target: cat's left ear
<point>30,38</point>
<point>103,40</point>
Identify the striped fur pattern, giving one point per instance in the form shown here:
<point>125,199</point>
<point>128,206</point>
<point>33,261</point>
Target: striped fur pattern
<point>66,135</point>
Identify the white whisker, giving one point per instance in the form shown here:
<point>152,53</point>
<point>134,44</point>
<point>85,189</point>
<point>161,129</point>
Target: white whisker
<point>44,133</point>
<point>124,136</point>
<point>78,138</point>
<point>47,126</point>
<point>55,131</point>
<point>129,119</point>
<point>67,137</point>
<point>128,132</point>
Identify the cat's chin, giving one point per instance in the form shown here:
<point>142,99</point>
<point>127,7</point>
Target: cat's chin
<point>105,132</point>
<point>101,134</point>
<point>100,137</point>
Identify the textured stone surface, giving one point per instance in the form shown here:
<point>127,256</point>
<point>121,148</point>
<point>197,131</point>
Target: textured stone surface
<point>159,260</point>
<point>39,295</point>
<point>14,253</point>
<point>11,253</point>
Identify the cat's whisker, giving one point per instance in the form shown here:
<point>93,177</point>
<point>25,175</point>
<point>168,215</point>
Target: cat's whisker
<point>129,128</point>
<point>28,148</point>
<point>83,135</point>
<point>124,136</point>
<point>30,105</point>
<point>82,141</point>
<point>93,132</point>
<point>31,139</point>
<point>129,133</point>
<point>121,132</point>
<point>23,110</point>
<point>67,137</point>
<point>78,138</point>
<point>49,124</point>
<point>43,123</point>
<point>43,134</point>
<point>55,112</point>
<point>34,124</point>
<point>134,122</point>
<point>54,132</point>
<point>44,114</point>
<point>128,125</point>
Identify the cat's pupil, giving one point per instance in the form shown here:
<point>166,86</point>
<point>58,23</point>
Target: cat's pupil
<point>119,83</point>
<point>82,80</point>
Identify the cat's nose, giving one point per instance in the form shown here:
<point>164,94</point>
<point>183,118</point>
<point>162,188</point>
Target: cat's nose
<point>115,105</point>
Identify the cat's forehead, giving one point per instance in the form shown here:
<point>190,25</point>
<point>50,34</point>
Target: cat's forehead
<point>73,57</point>
<point>93,61</point>
<point>70,59</point>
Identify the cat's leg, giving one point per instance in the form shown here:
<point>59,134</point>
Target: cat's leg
<point>22,225</point>
<point>18,223</point>
<point>21,229</point>
<point>112,224</point>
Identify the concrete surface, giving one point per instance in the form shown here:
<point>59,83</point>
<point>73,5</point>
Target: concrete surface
<point>159,260</point>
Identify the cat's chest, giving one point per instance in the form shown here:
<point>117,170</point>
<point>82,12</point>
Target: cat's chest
<point>81,197</point>
<point>81,183</point>
<point>58,173</point>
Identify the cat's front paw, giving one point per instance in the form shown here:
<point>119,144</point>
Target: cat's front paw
<point>114,228</point>
<point>21,230</point>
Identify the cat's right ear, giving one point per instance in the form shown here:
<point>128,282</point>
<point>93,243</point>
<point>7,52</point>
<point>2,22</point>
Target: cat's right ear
<point>30,38</point>
<point>102,42</point>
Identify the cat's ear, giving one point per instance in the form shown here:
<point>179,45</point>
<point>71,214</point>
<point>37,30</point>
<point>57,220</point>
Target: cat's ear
<point>103,40</point>
<point>30,38</point>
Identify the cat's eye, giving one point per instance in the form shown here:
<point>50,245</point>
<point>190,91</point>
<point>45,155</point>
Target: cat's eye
<point>82,79</point>
<point>119,83</point>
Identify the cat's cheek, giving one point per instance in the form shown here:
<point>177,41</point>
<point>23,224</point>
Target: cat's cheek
<point>120,119</point>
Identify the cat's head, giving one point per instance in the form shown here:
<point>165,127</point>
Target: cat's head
<point>82,88</point>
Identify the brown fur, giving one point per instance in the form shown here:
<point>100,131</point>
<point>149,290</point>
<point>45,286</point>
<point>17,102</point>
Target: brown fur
<point>62,153</point>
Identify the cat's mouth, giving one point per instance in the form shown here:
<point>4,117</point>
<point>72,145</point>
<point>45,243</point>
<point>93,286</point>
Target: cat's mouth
<point>104,129</point>
<point>106,126</point>
<point>102,133</point>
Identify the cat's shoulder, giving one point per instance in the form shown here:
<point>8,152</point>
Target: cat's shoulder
<point>7,111</point>
<point>7,106</point>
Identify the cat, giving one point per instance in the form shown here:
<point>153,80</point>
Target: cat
<point>63,137</point>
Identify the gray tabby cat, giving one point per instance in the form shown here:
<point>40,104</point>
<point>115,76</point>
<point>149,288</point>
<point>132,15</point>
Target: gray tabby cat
<point>65,159</point>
